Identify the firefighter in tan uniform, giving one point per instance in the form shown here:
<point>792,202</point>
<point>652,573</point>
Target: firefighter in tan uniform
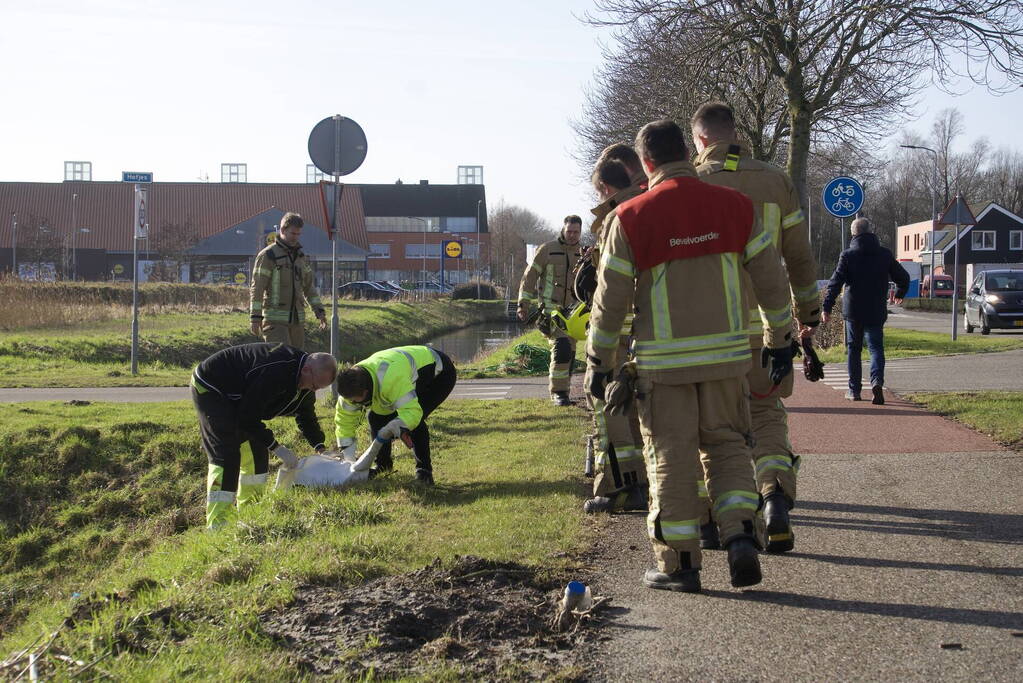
<point>620,482</point>
<point>282,281</point>
<point>677,254</point>
<point>546,283</point>
<point>723,161</point>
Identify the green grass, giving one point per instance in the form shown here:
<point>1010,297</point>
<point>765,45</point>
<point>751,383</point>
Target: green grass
<point>171,344</point>
<point>115,509</point>
<point>900,343</point>
<point>998,414</point>
<point>503,361</point>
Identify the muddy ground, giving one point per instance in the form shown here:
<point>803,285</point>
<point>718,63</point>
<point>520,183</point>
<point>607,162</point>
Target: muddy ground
<point>476,618</point>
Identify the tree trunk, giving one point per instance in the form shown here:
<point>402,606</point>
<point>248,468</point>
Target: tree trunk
<point>800,120</point>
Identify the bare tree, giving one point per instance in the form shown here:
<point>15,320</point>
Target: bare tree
<point>512,227</point>
<point>865,59</point>
<point>171,242</point>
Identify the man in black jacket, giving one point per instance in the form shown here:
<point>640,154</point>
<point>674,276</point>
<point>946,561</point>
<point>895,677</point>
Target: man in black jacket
<point>234,391</point>
<point>865,268</point>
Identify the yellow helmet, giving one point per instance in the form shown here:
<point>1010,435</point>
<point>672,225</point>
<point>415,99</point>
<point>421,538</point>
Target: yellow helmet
<point>578,321</point>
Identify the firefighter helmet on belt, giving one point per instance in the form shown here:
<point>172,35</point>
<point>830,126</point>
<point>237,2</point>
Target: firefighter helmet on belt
<point>578,321</point>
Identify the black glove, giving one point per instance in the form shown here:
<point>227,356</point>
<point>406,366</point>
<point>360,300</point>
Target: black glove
<point>781,362</point>
<point>596,382</point>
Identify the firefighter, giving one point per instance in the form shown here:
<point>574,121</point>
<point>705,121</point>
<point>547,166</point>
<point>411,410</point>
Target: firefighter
<point>723,160</point>
<point>620,482</point>
<point>282,280</point>
<point>234,391</point>
<point>546,283</point>
<point>400,387</point>
<point>678,252</point>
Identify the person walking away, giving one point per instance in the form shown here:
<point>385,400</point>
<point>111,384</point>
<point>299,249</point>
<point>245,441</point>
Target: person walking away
<point>400,388</point>
<point>723,160</point>
<point>864,270</point>
<point>546,282</point>
<point>234,391</point>
<point>676,253</point>
<point>282,281</point>
<point>620,481</point>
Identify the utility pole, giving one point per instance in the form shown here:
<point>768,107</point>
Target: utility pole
<point>934,208</point>
<point>14,244</point>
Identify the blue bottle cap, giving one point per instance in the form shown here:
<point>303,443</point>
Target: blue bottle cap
<point>576,587</point>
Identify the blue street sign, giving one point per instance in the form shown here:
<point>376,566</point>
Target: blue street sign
<point>842,197</point>
<point>136,177</point>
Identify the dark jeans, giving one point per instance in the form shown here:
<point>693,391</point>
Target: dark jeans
<point>430,391</point>
<point>854,334</point>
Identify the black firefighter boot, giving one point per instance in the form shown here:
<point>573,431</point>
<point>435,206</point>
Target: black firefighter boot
<point>743,563</point>
<point>626,499</point>
<point>709,538</point>
<point>780,538</point>
<point>683,580</point>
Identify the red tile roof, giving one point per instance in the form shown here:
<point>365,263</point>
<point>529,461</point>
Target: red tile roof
<point>106,208</point>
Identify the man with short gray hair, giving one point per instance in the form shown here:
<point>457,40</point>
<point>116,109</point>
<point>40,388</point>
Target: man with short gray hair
<point>864,269</point>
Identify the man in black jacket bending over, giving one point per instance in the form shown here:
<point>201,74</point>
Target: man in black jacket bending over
<point>865,268</point>
<point>234,390</point>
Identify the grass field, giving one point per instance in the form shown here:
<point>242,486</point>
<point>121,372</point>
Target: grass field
<point>998,414</point>
<point>899,343</point>
<point>98,353</point>
<point>104,522</point>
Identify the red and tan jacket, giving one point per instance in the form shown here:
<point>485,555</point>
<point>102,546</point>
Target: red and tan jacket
<point>546,279</point>
<point>677,254</point>
<point>777,204</point>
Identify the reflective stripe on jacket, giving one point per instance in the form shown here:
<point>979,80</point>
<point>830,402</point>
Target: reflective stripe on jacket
<point>677,254</point>
<point>546,278</point>
<point>282,281</point>
<point>395,373</point>
<point>777,203</point>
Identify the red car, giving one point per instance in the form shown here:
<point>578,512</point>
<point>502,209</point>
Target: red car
<point>942,286</point>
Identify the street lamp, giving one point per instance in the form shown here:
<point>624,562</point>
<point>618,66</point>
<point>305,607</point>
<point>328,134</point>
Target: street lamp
<point>74,250</point>
<point>427,227</point>
<point>14,244</point>
<point>934,209</point>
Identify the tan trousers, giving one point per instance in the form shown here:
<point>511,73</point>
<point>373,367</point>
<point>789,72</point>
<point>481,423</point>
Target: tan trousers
<point>775,465</point>
<point>562,357</point>
<point>291,334</point>
<point>678,421</point>
<point>618,445</point>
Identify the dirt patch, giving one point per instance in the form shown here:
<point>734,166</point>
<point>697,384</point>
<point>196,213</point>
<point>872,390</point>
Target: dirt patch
<point>478,618</point>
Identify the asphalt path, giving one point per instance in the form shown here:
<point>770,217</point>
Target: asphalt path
<point>908,565</point>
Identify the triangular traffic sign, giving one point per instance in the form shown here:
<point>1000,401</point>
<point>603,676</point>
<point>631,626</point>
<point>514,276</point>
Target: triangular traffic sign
<point>957,213</point>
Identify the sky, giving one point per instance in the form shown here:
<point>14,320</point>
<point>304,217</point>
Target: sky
<point>180,88</point>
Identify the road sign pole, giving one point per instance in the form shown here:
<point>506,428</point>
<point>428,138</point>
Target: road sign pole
<point>841,230</point>
<point>335,330</point>
<point>135,293</point>
<point>955,280</point>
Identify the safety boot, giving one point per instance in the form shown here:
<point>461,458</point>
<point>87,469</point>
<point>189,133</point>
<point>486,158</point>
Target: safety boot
<point>424,477</point>
<point>560,398</point>
<point>709,538</point>
<point>623,500</point>
<point>681,580</point>
<point>743,563</point>
<point>780,538</point>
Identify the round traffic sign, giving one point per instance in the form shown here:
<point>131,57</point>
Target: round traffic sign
<point>337,145</point>
<point>453,249</point>
<point>118,268</point>
<point>842,197</point>
<point>239,278</point>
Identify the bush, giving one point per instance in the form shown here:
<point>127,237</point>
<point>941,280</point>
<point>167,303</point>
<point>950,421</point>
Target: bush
<point>933,305</point>
<point>475,290</point>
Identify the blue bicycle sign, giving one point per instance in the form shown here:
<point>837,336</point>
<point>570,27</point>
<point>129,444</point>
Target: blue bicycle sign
<point>842,197</point>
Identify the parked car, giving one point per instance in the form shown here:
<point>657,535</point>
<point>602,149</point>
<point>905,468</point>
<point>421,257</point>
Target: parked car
<point>364,289</point>
<point>432,287</point>
<point>942,286</point>
<point>995,300</point>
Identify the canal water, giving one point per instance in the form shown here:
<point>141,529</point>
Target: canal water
<point>464,345</point>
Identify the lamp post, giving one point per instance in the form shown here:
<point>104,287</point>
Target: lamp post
<point>427,227</point>
<point>14,244</point>
<point>74,251</point>
<point>479,227</point>
<point>934,208</point>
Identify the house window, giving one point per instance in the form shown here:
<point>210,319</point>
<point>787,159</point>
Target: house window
<point>234,173</point>
<point>313,174</point>
<point>461,224</point>
<point>470,175</point>
<point>413,251</point>
<point>402,224</point>
<point>905,243</point>
<point>983,240</point>
<point>77,170</point>
<point>1016,240</point>
<point>380,251</point>
<point>916,241</point>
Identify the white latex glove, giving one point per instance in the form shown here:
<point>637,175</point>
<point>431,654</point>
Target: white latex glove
<point>391,430</point>
<point>366,459</point>
<point>347,447</point>
<point>286,456</point>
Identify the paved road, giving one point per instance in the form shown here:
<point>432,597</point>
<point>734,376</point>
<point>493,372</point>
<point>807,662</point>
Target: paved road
<point>909,538</point>
<point>931,322</point>
<point>964,372</point>
<point>519,387</point>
